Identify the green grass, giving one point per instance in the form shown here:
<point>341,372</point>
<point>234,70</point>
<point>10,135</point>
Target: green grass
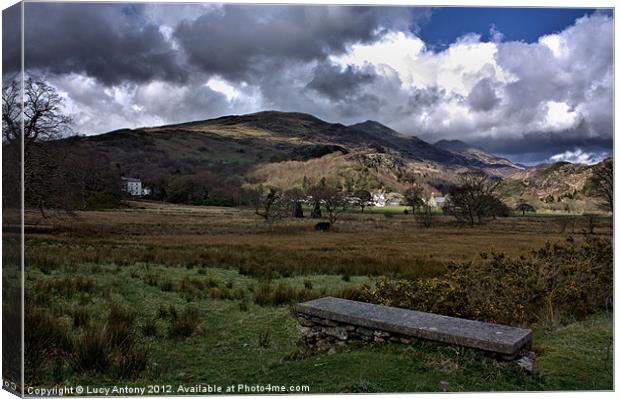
<point>240,159</point>
<point>226,347</point>
<point>578,356</point>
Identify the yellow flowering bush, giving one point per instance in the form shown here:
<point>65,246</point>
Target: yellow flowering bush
<point>553,284</point>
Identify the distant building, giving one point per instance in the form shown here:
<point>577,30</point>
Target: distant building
<point>436,202</point>
<point>382,199</point>
<point>133,187</point>
<point>378,198</point>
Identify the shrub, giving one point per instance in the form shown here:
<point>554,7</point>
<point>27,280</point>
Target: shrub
<point>45,264</point>
<point>149,327</point>
<point>282,294</point>
<point>554,284</point>
<point>185,323</point>
<point>81,316</point>
<point>352,293</point>
<point>167,286</point>
<point>67,287</point>
<point>262,294</point>
<point>264,338</point>
<point>133,361</point>
<point>43,334</point>
<point>121,326</point>
<point>92,350</point>
<point>151,279</point>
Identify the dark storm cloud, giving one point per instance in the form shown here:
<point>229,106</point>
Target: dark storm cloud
<point>230,41</point>
<point>535,147</point>
<point>11,40</point>
<point>337,84</point>
<point>109,42</point>
<point>482,96</point>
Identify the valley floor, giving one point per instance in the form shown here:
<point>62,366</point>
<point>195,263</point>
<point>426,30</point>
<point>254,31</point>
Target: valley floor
<point>240,277</point>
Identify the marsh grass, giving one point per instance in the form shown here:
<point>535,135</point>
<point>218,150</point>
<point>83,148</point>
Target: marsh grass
<point>365,244</point>
<point>81,316</point>
<point>185,323</point>
<point>92,350</point>
<point>239,278</point>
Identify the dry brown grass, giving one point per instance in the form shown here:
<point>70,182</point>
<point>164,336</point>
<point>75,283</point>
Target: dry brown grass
<point>361,244</point>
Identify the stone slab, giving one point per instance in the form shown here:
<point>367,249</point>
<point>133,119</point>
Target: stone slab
<point>497,338</point>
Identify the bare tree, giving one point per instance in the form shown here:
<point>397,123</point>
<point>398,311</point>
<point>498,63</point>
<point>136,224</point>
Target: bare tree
<point>363,199</point>
<point>474,198</point>
<point>335,203</point>
<point>524,207</point>
<point>32,121</point>
<point>414,197</point>
<point>603,184</point>
<point>270,204</point>
<point>58,174</point>
<point>41,115</point>
<point>330,198</point>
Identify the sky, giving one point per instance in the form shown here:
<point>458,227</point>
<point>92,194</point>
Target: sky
<point>530,84</point>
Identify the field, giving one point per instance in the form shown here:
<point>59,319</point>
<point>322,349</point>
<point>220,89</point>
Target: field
<point>205,294</point>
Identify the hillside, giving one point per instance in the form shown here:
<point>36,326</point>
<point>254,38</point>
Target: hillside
<point>282,148</point>
<point>501,165</point>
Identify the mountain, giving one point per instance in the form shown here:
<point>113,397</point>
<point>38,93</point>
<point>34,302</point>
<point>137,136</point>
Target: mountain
<point>478,154</point>
<point>413,147</point>
<point>285,148</point>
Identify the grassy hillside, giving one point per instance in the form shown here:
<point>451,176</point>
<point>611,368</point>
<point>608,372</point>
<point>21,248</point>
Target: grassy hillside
<point>281,148</point>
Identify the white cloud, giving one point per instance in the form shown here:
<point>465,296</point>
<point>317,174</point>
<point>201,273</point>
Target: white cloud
<point>556,44</point>
<point>224,87</point>
<point>456,69</point>
<point>579,156</point>
<point>559,117</point>
<point>96,108</point>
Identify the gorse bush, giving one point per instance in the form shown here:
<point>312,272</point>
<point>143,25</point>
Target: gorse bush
<point>556,283</point>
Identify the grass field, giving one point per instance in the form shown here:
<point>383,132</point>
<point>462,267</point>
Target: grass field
<point>206,293</point>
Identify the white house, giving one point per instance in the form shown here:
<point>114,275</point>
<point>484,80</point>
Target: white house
<point>436,202</point>
<point>378,198</point>
<point>133,187</point>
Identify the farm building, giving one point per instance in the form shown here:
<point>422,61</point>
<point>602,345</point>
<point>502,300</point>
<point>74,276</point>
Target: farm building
<point>133,186</point>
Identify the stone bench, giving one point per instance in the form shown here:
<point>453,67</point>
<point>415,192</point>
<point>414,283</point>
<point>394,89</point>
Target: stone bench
<point>328,321</point>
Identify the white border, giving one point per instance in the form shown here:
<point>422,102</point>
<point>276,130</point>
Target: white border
<point>478,3</point>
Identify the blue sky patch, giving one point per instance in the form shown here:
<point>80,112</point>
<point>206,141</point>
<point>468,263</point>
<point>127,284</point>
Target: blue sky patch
<point>516,24</point>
